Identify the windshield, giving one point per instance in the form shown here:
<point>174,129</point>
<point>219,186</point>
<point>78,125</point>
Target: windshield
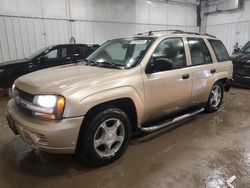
<point>32,56</point>
<point>246,48</point>
<point>122,53</point>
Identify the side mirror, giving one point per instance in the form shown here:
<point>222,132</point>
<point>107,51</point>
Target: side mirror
<point>158,65</point>
<point>236,50</point>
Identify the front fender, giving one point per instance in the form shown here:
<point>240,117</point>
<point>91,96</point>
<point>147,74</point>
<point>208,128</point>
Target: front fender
<point>105,96</point>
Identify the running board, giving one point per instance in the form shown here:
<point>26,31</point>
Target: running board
<point>167,123</point>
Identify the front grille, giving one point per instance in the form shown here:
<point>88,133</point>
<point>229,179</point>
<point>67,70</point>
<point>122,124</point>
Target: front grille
<point>18,93</point>
<point>242,69</point>
<point>247,70</point>
<point>24,95</point>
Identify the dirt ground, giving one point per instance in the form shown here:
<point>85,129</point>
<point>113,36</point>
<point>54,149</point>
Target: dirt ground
<point>201,152</point>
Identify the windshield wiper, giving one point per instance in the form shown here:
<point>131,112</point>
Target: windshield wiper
<point>108,64</point>
<point>89,62</point>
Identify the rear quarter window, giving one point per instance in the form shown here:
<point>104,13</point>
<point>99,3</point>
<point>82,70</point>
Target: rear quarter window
<point>219,50</point>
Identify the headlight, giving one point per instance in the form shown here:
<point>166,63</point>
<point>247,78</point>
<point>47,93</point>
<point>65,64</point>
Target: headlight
<point>11,91</point>
<point>13,87</point>
<point>1,71</point>
<point>47,101</point>
<point>49,106</point>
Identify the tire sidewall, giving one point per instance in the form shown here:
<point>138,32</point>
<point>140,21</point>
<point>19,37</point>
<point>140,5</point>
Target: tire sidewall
<point>87,145</point>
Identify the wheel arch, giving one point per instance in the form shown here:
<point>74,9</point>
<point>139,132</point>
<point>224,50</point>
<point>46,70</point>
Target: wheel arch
<point>125,104</point>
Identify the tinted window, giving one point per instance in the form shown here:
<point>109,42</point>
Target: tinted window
<point>65,54</point>
<point>52,54</point>
<point>61,53</point>
<point>173,49</point>
<point>37,53</point>
<point>199,51</point>
<point>219,50</point>
<point>78,51</point>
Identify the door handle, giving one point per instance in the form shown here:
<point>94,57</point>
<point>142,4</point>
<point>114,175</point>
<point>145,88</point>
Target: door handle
<point>213,71</point>
<point>185,76</point>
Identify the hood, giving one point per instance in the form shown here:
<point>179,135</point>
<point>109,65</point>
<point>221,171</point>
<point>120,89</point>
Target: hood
<point>63,78</point>
<point>241,64</point>
<point>13,62</point>
<point>241,57</point>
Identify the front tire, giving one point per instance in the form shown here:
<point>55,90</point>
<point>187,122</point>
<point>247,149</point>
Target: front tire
<point>105,138</point>
<point>215,98</point>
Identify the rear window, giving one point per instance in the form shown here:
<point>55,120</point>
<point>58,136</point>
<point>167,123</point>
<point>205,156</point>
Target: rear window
<point>219,50</point>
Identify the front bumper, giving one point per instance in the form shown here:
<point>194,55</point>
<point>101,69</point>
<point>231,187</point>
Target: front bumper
<point>50,136</point>
<point>242,81</point>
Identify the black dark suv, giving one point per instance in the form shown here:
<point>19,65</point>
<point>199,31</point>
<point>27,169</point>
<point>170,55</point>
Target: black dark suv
<point>47,57</point>
<point>241,63</point>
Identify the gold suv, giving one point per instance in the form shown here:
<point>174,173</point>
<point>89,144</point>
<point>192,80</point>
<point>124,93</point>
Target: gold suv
<point>145,83</point>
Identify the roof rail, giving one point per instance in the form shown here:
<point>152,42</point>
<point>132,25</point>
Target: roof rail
<point>187,32</point>
<point>176,32</point>
<point>206,34</point>
<point>155,31</point>
<point>194,33</point>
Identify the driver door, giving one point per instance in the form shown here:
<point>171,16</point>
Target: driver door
<point>168,91</point>
<point>56,57</point>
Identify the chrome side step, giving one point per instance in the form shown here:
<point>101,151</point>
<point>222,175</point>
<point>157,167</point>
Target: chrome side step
<point>175,120</point>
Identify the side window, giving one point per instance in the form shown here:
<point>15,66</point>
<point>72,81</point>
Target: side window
<point>78,51</point>
<point>219,50</point>
<point>64,53</point>
<point>52,55</point>
<point>199,51</point>
<point>173,49</point>
<point>61,53</point>
<point>207,56</point>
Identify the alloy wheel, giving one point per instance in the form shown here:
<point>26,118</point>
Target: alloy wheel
<point>216,96</point>
<point>109,137</point>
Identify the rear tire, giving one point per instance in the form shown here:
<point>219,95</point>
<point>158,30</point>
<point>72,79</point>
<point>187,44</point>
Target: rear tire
<point>215,98</point>
<point>105,138</point>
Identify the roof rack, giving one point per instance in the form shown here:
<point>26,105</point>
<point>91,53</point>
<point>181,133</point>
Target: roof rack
<point>176,32</point>
<point>156,31</point>
<point>209,35</point>
<point>186,32</point>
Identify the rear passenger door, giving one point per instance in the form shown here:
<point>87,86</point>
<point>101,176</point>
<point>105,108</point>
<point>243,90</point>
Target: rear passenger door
<point>202,68</point>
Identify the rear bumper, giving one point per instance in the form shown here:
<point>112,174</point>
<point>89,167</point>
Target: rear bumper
<point>54,136</point>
